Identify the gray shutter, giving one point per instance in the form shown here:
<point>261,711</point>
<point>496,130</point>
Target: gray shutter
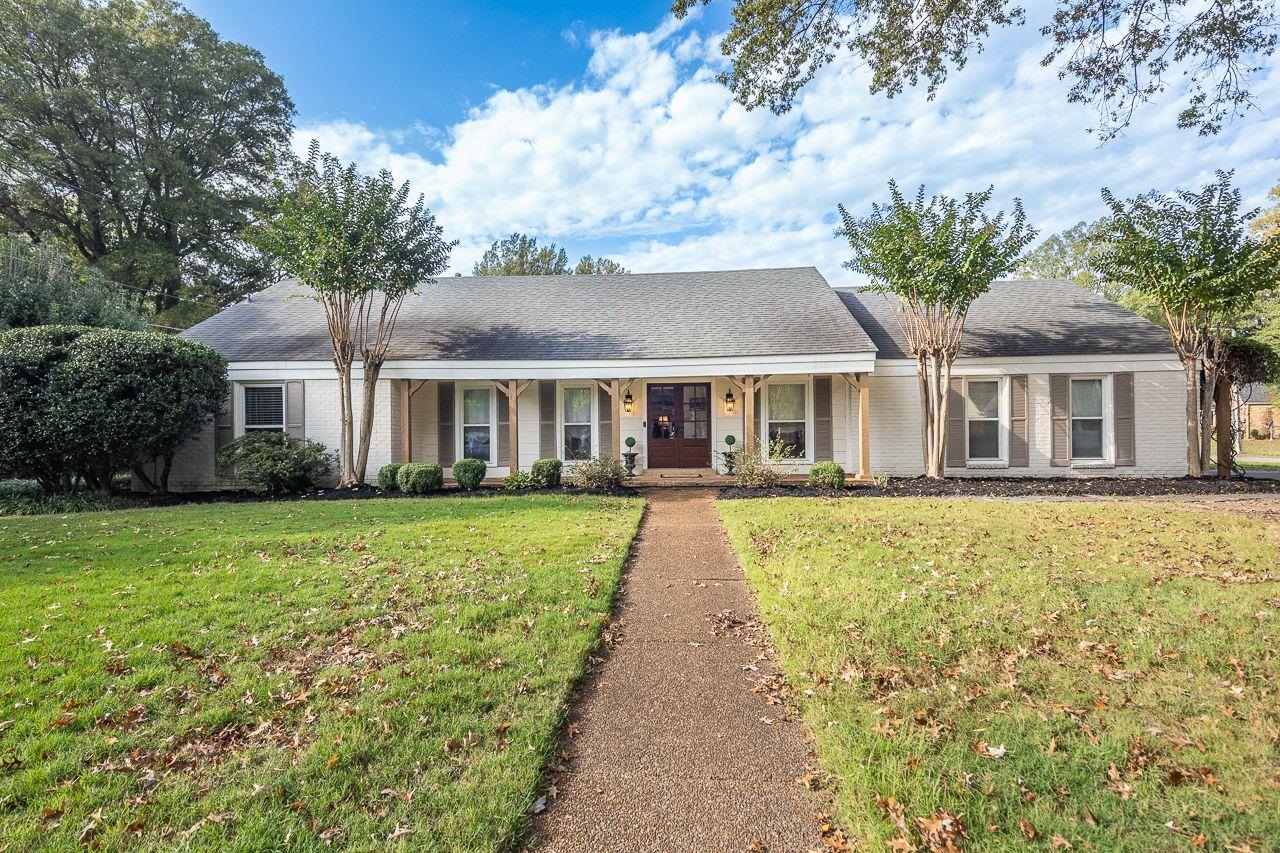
<point>295,418</point>
<point>547,419</point>
<point>822,418</point>
<point>224,422</point>
<point>1060,407</point>
<point>605,404</point>
<point>1122,407</point>
<point>956,450</point>
<point>447,449</point>
<point>1019,452</point>
<point>504,434</point>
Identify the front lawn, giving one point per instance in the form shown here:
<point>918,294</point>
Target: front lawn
<point>1093,676</point>
<point>1260,447</point>
<point>362,674</point>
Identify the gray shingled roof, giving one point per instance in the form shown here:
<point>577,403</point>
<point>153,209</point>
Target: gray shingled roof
<point>1025,318</point>
<point>652,315</point>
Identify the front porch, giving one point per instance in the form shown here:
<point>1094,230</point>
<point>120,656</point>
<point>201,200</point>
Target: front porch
<point>678,426</point>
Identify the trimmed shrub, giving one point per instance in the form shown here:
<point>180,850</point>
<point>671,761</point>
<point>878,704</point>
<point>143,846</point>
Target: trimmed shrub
<point>547,473</point>
<point>826,475</point>
<point>273,463</point>
<point>599,474</point>
<point>520,480</point>
<point>418,478</point>
<point>387,476</point>
<point>469,473</point>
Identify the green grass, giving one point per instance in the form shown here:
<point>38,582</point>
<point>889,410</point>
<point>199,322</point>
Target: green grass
<point>1260,466</point>
<point>1259,447</point>
<point>366,674</point>
<point>1104,673</point>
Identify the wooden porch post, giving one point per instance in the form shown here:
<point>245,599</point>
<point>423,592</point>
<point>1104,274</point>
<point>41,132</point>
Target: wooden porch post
<point>406,446</point>
<point>615,398</point>
<point>749,414</point>
<point>513,388</point>
<point>864,428</point>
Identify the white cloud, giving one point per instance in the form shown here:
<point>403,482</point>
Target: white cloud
<point>650,157</point>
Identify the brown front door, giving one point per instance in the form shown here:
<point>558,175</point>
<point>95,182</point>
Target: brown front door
<point>679,425</point>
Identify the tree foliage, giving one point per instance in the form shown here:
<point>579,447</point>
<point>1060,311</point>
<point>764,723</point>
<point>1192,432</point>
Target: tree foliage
<point>40,285</point>
<point>1114,56</point>
<point>130,130</point>
<point>81,403</point>
<point>359,244</point>
<point>1192,254</point>
<point>934,257</point>
<point>520,254</point>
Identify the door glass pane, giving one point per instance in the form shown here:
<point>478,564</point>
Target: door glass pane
<point>475,442</point>
<point>786,402</point>
<point>791,434</point>
<point>984,439</point>
<point>577,442</point>
<point>475,406</point>
<point>577,405</point>
<point>697,412</point>
<point>1086,438</point>
<point>984,400</point>
<point>1086,398</point>
<point>662,410</point>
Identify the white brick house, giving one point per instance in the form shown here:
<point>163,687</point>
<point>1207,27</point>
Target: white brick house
<point>1052,380</point>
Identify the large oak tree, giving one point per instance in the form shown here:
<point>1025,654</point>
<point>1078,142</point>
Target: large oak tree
<point>131,131</point>
<point>520,254</point>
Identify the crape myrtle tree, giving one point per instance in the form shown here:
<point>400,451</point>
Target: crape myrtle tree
<point>1192,253</point>
<point>360,246</point>
<point>136,135</point>
<point>934,257</point>
<point>1114,56</point>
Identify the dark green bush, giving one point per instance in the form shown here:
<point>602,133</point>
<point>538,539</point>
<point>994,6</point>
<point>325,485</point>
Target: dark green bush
<point>826,475</point>
<point>274,463</point>
<point>26,497</point>
<point>418,478</point>
<point>599,474</point>
<point>469,473</point>
<point>547,473</point>
<point>520,480</point>
<point>387,476</point>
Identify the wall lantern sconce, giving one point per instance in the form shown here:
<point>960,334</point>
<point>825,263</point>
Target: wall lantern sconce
<point>729,402</point>
<point>628,403</point>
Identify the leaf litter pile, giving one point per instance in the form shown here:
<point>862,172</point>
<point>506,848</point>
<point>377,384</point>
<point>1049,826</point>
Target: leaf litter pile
<point>355,675</point>
<point>1063,676</point>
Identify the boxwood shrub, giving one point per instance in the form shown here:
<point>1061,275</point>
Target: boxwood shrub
<point>387,476</point>
<point>469,473</point>
<point>418,478</point>
<point>826,475</point>
<point>547,473</point>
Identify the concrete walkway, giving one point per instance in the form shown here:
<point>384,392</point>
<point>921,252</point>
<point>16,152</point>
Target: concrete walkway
<point>680,740</point>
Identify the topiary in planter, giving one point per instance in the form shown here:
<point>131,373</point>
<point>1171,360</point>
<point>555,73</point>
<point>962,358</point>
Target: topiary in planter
<point>547,473</point>
<point>387,476</point>
<point>469,473</point>
<point>826,475</point>
<point>418,478</point>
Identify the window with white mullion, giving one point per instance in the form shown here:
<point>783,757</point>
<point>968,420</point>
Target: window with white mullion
<point>477,423</point>
<point>786,410</point>
<point>577,422</point>
<point>264,408</point>
<point>982,420</point>
<point>1087,419</point>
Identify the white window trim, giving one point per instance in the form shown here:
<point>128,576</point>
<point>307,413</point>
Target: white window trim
<point>458,419</point>
<point>1108,459</point>
<point>1004,405</point>
<point>560,422</point>
<point>763,437</point>
<point>239,427</point>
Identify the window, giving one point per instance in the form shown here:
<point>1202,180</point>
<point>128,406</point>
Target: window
<point>1086,419</point>
<point>982,417</point>
<point>264,408</point>
<point>477,425</point>
<point>577,423</point>
<point>786,411</point>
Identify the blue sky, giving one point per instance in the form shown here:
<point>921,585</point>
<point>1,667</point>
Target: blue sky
<point>601,126</point>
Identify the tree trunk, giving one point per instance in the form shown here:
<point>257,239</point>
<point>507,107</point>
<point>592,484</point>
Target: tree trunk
<point>934,379</point>
<point>1193,418</point>
<point>368,392</point>
<point>1208,385</point>
<point>346,465</point>
<point>1225,429</point>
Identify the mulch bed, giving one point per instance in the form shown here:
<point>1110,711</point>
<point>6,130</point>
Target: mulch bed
<point>1016,487</point>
